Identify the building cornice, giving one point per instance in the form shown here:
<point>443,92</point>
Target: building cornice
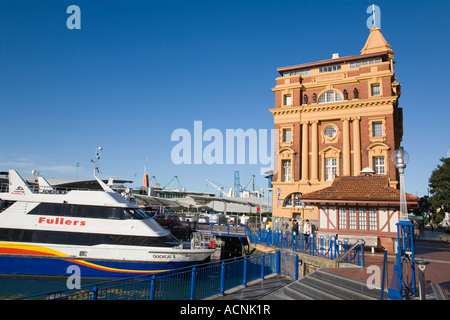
<point>316,107</point>
<point>342,78</point>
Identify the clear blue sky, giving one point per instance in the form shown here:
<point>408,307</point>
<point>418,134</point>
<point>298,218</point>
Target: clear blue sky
<point>138,70</point>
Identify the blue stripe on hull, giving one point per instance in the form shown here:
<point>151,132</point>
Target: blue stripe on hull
<point>58,267</point>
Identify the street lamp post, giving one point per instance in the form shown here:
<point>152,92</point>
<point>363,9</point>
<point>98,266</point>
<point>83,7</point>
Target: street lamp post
<point>400,157</point>
<point>404,262</point>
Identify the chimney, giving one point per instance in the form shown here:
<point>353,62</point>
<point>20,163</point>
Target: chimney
<point>335,56</point>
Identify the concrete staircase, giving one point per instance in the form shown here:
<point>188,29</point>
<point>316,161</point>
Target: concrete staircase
<point>323,285</point>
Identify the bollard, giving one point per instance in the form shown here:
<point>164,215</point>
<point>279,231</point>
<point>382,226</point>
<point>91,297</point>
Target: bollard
<point>278,263</point>
<point>383,279</point>
<point>192,293</point>
<point>244,276</point>
<point>421,264</point>
<point>262,265</point>
<point>152,287</point>
<point>94,293</point>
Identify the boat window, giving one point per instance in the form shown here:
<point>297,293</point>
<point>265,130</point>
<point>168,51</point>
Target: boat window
<point>5,204</point>
<point>114,213</point>
<point>141,213</point>
<point>136,214</point>
<point>82,211</point>
<point>85,239</point>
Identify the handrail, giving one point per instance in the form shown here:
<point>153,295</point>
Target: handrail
<point>313,245</point>
<point>357,243</point>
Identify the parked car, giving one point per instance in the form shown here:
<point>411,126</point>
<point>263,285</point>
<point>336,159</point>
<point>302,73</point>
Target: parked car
<point>167,221</point>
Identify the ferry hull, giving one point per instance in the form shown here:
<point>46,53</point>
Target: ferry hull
<point>51,266</point>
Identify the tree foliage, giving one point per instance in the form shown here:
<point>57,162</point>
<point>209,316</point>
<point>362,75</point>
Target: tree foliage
<point>423,206</point>
<point>439,183</point>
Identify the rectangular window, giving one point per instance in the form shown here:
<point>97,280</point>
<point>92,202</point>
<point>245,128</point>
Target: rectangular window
<point>342,218</point>
<point>352,218</point>
<point>330,168</point>
<point>377,129</point>
<point>286,165</point>
<point>378,165</point>
<point>372,219</point>
<point>287,100</point>
<point>360,63</point>
<point>301,72</point>
<point>334,67</point>
<point>375,89</point>
<point>287,135</point>
<point>362,219</point>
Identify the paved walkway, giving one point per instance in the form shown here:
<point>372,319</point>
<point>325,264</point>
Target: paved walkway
<point>429,246</point>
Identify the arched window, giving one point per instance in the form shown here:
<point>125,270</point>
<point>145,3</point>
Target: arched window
<point>330,96</point>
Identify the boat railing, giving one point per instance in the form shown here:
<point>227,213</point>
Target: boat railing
<point>4,188</point>
<point>203,241</point>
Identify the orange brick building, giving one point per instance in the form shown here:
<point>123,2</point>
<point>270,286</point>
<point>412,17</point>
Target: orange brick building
<point>335,117</point>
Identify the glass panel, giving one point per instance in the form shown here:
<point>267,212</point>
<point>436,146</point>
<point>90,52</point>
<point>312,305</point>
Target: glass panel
<point>287,100</point>
<point>372,219</point>
<point>330,132</point>
<point>342,218</point>
<point>375,90</point>
<point>352,218</point>
<point>378,165</point>
<point>287,135</point>
<point>330,168</point>
<point>286,170</point>
<point>362,219</point>
<point>377,128</point>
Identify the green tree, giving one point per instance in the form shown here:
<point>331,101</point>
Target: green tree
<point>423,207</point>
<point>439,184</point>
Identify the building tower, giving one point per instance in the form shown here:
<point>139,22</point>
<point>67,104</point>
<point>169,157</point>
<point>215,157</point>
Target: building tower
<point>335,118</point>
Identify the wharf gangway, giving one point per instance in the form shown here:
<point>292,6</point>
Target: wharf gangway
<point>222,230</point>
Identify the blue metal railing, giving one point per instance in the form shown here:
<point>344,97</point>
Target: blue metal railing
<point>195,283</point>
<point>323,246</point>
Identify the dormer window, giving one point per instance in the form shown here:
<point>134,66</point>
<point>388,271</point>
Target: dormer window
<point>330,96</point>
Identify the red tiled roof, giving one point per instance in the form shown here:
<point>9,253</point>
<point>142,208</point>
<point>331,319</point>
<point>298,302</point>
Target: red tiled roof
<point>360,188</point>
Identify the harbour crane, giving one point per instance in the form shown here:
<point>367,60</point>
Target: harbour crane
<point>228,195</point>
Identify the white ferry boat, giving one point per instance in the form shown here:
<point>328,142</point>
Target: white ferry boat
<point>44,231</point>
